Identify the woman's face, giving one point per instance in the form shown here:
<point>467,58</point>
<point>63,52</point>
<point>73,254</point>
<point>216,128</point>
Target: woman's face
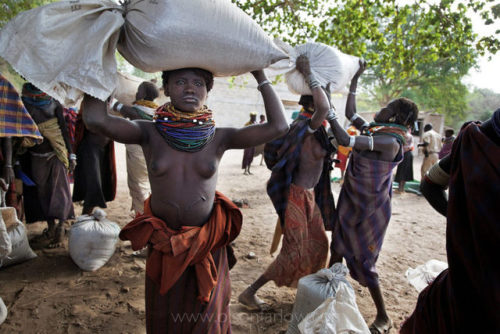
<point>187,90</point>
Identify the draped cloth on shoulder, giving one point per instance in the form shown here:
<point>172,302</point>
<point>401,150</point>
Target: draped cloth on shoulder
<point>465,297</point>
<point>50,129</point>
<point>15,121</point>
<point>282,157</point>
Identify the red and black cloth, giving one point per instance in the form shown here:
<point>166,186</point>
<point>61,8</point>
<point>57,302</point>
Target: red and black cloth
<point>465,297</point>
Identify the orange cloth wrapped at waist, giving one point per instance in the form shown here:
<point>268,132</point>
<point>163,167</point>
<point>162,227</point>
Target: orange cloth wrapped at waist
<point>174,250</point>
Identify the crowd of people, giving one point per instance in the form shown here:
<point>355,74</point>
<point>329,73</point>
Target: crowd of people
<point>187,226</point>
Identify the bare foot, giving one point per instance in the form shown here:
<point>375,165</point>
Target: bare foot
<point>57,241</point>
<point>251,301</point>
<point>381,326</point>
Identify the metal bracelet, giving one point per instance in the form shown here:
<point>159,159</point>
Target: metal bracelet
<point>370,141</point>
<point>265,82</point>
<point>72,156</point>
<point>352,141</point>
<point>352,93</point>
<point>332,115</point>
<point>354,117</point>
<point>119,107</point>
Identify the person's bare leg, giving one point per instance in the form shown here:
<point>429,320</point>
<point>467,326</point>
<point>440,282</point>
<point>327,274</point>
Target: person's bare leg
<point>262,159</point>
<point>248,297</point>
<point>382,321</point>
<point>401,186</point>
<point>249,173</point>
<point>334,258</point>
<point>51,228</point>
<point>58,238</point>
<point>87,210</point>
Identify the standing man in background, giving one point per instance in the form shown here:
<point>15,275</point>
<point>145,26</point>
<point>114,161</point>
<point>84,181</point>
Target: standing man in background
<point>431,143</point>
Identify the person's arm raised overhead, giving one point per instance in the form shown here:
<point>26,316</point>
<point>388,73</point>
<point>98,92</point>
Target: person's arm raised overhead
<point>97,119</point>
<point>276,125</point>
<point>350,108</point>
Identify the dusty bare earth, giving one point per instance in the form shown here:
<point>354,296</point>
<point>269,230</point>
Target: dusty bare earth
<point>50,294</point>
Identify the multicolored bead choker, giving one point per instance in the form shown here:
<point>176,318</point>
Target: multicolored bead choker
<point>187,132</point>
<point>35,97</point>
<point>391,129</point>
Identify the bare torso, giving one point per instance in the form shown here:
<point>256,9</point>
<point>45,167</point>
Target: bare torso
<point>183,183</point>
<point>310,166</point>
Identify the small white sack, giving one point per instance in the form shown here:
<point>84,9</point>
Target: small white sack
<point>21,250</point>
<point>424,274</point>
<point>92,240</point>
<point>5,243</point>
<point>3,311</point>
<point>336,315</point>
<point>328,64</point>
<point>68,47</point>
<point>313,289</point>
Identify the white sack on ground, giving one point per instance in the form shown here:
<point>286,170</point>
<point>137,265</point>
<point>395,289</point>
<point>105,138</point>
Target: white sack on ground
<point>3,311</point>
<point>336,315</point>
<point>424,274</point>
<point>5,243</point>
<point>21,250</point>
<point>68,45</point>
<point>313,289</point>
<point>92,240</point>
<point>328,64</point>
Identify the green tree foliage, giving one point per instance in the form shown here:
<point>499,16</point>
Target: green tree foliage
<point>10,8</point>
<point>421,49</point>
<point>482,103</point>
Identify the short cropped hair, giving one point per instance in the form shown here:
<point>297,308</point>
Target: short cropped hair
<point>448,133</point>
<point>206,75</point>
<point>427,127</point>
<point>406,111</point>
<point>150,90</point>
<point>306,101</point>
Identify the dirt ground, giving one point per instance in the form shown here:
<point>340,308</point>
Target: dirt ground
<point>50,294</point>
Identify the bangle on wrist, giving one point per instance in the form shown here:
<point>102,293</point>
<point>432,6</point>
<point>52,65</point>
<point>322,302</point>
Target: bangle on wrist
<point>352,93</point>
<point>262,83</point>
<point>370,141</point>
<point>72,156</point>
<point>332,115</point>
<point>7,166</point>
<point>352,141</point>
<point>354,117</point>
<point>119,107</point>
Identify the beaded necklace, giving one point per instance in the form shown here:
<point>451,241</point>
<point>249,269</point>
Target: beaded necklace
<point>391,129</point>
<point>35,97</point>
<point>187,132</point>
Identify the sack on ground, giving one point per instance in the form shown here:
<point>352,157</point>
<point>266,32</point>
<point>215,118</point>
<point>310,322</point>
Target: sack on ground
<point>3,311</point>
<point>21,250</point>
<point>314,289</point>
<point>92,240</point>
<point>328,64</point>
<point>5,243</point>
<point>424,274</point>
<point>336,315</point>
<point>67,47</point>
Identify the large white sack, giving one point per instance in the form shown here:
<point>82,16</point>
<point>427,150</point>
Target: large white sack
<point>336,315</point>
<point>3,311</point>
<point>425,274</point>
<point>92,240</point>
<point>68,45</point>
<point>313,290</point>
<point>21,250</point>
<point>328,64</point>
<point>5,243</point>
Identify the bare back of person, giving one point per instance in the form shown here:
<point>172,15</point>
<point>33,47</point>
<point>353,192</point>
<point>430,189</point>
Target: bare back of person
<point>311,161</point>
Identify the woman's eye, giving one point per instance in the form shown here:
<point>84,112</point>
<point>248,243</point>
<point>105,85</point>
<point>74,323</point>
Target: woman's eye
<point>198,83</point>
<point>180,82</point>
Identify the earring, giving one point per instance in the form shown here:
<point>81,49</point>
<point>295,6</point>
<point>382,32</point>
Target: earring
<point>392,119</point>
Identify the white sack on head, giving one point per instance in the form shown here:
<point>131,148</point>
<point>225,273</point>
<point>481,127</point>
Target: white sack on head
<point>328,64</point>
<point>68,47</point>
